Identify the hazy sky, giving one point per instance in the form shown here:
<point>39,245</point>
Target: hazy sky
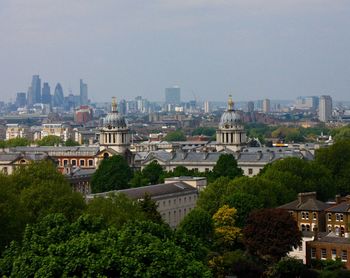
<point>251,48</point>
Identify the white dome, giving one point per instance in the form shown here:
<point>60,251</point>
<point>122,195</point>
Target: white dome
<point>114,120</point>
<point>229,119</point>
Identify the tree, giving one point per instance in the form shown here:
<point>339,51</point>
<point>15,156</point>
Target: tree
<point>153,172</point>
<point>207,131</point>
<point>198,223</point>
<point>336,159</point>
<point>12,217</point>
<point>225,230</point>
<point>226,166</point>
<point>244,203</point>
<point>113,173</point>
<point>50,140</point>
<point>116,209</point>
<point>271,233</point>
<point>16,142</point>
<point>87,248</point>
<point>177,135</point>
<point>71,143</point>
<point>211,197</point>
<point>138,180</point>
<point>288,267</point>
<point>149,208</point>
<point>301,176</point>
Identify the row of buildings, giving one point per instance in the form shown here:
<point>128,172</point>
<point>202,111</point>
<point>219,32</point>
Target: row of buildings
<point>324,227</point>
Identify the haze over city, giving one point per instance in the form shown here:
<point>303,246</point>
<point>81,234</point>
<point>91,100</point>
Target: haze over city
<point>252,49</point>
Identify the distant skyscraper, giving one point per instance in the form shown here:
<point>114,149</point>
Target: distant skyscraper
<point>46,94</point>
<point>250,106</point>
<point>36,89</point>
<point>325,109</point>
<point>266,105</point>
<point>206,107</point>
<point>58,98</point>
<point>21,99</point>
<point>83,93</point>
<point>30,96</point>
<point>172,95</point>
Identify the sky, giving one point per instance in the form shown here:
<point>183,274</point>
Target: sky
<point>252,49</point>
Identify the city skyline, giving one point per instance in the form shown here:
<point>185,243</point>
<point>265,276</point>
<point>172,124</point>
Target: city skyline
<point>250,49</point>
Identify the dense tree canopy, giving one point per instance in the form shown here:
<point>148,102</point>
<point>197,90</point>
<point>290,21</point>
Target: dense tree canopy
<point>177,135</point>
<point>86,248</point>
<point>50,140</point>
<point>71,143</point>
<point>153,172</point>
<point>113,173</point>
<point>226,166</point>
<point>271,233</point>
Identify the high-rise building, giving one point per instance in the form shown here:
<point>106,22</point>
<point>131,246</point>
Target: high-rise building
<point>21,99</point>
<point>58,98</point>
<point>325,108</point>
<point>172,95</point>
<point>266,105</point>
<point>36,89</point>
<point>206,107</point>
<point>250,106</point>
<point>46,93</point>
<point>83,93</point>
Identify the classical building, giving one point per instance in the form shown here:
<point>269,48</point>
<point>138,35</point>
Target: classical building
<point>230,133</point>
<point>115,133</point>
<point>174,199</point>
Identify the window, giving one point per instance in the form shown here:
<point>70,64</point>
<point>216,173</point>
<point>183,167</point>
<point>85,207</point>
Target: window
<point>329,229</point>
<point>179,200</point>
<point>74,162</point>
<point>65,162</point>
<point>329,217</point>
<point>250,171</point>
<point>206,170</point>
<point>82,162</point>
<point>91,162</point>
<point>5,171</point>
<point>163,203</point>
<point>184,199</point>
<point>334,254</point>
<point>339,217</point>
<point>174,201</point>
<point>344,255</point>
<point>323,254</point>
<point>313,253</point>
<point>342,231</point>
<point>291,213</point>
<point>308,228</point>
<point>314,216</point>
<point>303,227</point>
<point>305,215</point>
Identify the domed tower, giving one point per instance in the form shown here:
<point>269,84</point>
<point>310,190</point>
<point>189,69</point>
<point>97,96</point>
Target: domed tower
<point>115,133</point>
<point>230,134</point>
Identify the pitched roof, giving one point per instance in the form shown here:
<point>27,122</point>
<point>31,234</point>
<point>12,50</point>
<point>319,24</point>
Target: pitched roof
<point>155,191</point>
<point>310,204</point>
<point>342,207</point>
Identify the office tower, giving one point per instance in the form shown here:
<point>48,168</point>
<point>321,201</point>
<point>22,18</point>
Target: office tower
<point>172,95</point>
<point>122,107</point>
<point>46,93</point>
<point>206,107</point>
<point>266,105</point>
<point>58,98</point>
<point>29,96</point>
<point>325,109</point>
<point>83,93</point>
<point>250,106</point>
<point>36,89</point>
<point>21,99</point>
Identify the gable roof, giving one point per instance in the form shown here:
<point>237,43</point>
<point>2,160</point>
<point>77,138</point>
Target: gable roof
<point>310,204</point>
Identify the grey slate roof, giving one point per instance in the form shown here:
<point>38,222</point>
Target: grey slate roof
<point>157,190</point>
<point>248,155</point>
<point>310,204</point>
<point>342,207</point>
